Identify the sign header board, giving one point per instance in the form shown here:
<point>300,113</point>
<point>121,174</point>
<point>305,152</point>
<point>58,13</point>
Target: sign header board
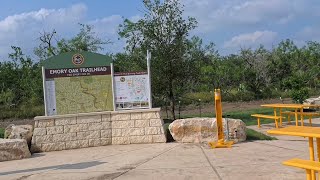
<point>83,71</point>
<point>77,82</point>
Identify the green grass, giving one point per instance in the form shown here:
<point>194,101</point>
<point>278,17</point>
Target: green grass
<point>1,133</point>
<point>255,135</point>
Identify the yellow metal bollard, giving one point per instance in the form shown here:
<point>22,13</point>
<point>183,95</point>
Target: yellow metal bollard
<point>221,143</point>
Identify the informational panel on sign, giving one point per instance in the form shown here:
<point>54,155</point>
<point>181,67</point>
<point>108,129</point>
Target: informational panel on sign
<point>132,90</point>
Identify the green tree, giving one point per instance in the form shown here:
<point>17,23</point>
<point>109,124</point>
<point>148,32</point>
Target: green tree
<point>85,40</point>
<point>164,31</point>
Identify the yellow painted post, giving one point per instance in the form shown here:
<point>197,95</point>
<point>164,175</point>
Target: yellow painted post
<point>311,154</point>
<point>280,111</point>
<point>308,172</point>
<point>301,116</point>
<point>310,120</point>
<point>217,97</point>
<point>296,116</point>
<point>259,122</point>
<point>318,148</point>
<point>218,107</point>
<point>318,151</point>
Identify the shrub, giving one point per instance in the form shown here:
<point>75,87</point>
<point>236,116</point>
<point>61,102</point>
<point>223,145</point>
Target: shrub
<point>299,95</point>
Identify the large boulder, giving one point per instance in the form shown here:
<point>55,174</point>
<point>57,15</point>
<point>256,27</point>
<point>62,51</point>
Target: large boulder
<point>19,132</point>
<point>200,130</point>
<point>312,101</point>
<point>12,149</point>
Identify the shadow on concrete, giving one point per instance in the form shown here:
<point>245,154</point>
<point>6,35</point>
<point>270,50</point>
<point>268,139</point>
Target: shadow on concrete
<point>82,165</point>
<point>36,155</point>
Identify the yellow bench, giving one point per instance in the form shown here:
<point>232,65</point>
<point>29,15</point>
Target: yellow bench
<point>258,116</point>
<point>310,114</point>
<point>308,165</point>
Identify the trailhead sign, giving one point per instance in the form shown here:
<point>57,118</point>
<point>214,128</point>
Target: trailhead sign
<point>80,82</point>
<point>77,83</point>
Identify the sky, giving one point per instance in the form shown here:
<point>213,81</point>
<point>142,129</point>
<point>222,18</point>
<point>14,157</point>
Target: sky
<point>231,24</point>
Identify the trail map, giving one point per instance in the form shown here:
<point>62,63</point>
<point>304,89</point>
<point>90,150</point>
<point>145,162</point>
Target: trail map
<point>83,94</point>
<point>132,89</point>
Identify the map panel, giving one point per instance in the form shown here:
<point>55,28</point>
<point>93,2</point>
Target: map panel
<point>83,94</point>
<point>131,91</point>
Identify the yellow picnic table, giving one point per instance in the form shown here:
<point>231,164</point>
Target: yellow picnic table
<point>302,131</point>
<point>296,107</point>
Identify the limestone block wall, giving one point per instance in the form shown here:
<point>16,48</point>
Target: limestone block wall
<point>73,131</point>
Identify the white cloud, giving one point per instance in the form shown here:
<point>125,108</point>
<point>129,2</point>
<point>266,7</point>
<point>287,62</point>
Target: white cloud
<point>251,39</point>
<point>215,14</point>
<point>24,29</point>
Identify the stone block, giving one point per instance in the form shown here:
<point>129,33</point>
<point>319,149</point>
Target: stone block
<point>151,115</point>
<point>64,137</point>
<point>58,146</point>
<point>39,131</point>
<point>156,122</point>
<point>95,126</point>
<point>134,116</point>
<point>140,139</point>
<point>141,123</point>
<point>66,121</point>
<point>120,117</point>
<point>43,139</point>
<point>106,133</point>
<point>136,131</point>
<point>19,132</point>
<point>120,140</point>
<point>120,132</point>
<point>106,125</point>
<point>55,130</point>
<point>36,122</point>
<point>105,141</point>
<point>106,117</point>
<point>88,119</point>
<point>45,123</point>
<point>88,135</point>
<point>77,144</point>
<point>75,128</point>
<point>152,130</point>
<point>203,130</point>
<point>159,138</point>
<point>94,142</point>
<point>122,124</point>
<point>11,149</point>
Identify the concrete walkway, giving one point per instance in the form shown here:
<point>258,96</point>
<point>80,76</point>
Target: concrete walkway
<point>245,161</point>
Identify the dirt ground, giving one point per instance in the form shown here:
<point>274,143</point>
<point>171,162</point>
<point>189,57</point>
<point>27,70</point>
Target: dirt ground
<point>192,109</point>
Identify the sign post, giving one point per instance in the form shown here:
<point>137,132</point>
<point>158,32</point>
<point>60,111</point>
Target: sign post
<point>112,82</point>
<point>44,91</point>
<point>149,75</point>
<point>221,142</point>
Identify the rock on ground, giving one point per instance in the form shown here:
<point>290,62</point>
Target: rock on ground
<point>19,132</point>
<point>312,101</point>
<point>200,130</point>
<point>12,149</point>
